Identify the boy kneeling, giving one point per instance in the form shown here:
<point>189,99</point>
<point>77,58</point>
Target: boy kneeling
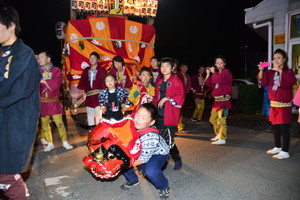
<point>155,152</point>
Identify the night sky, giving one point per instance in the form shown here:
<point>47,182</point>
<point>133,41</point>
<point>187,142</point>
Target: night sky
<point>191,31</point>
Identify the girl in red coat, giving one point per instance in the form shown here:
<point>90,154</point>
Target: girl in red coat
<point>280,80</point>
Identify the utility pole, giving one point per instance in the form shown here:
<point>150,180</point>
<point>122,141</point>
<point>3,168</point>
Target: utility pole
<point>246,60</point>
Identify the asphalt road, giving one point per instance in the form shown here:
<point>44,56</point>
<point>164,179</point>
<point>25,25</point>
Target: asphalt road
<point>238,170</point>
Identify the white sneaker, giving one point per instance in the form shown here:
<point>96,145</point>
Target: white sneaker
<point>215,138</point>
<point>219,142</point>
<point>282,155</point>
<point>44,143</point>
<point>49,147</point>
<point>193,120</point>
<point>275,150</point>
<point>67,146</point>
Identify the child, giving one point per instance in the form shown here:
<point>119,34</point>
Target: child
<point>155,69</point>
<point>118,70</point>
<point>199,93</point>
<point>187,87</point>
<point>155,152</point>
<point>169,97</point>
<point>280,80</point>
<point>92,82</point>
<point>50,105</point>
<point>142,88</point>
<point>220,83</point>
<point>111,98</point>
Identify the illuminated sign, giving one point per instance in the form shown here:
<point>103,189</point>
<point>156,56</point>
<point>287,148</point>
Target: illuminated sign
<point>141,8</point>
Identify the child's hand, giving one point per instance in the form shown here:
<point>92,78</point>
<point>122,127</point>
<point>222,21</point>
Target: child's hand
<point>84,96</point>
<point>124,109</point>
<point>103,110</point>
<point>161,102</point>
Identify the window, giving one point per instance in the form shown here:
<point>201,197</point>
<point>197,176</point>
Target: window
<point>295,26</point>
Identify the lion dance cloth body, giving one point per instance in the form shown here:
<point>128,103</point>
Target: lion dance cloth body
<point>114,145</point>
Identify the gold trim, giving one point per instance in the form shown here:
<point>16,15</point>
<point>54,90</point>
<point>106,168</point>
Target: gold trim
<point>222,98</point>
<point>278,104</point>
<point>52,99</point>
<point>93,92</point>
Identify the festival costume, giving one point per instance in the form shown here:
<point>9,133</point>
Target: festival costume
<point>138,89</point>
<point>92,82</point>
<point>50,103</point>
<point>19,102</point>
<point>280,93</point>
<point>186,81</point>
<point>168,115</point>
<point>197,82</point>
<point>156,75</point>
<point>123,79</point>
<point>220,84</point>
<point>114,145</point>
<point>113,100</point>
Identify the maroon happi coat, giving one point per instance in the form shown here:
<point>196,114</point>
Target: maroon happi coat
<point>279,91</point>
<point>98,84</point>
<point>220,84</point>
<point>50,92</point>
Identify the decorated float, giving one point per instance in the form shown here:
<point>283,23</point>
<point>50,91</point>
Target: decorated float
<point>106,27</point>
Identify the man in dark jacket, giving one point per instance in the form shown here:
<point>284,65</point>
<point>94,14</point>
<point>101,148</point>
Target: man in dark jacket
<point>19,104</point>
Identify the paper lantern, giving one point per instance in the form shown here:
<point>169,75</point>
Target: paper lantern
<point>80,5</point>
<point>60,30</point>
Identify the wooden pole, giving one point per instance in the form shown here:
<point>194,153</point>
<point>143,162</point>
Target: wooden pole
<point>72,12</point>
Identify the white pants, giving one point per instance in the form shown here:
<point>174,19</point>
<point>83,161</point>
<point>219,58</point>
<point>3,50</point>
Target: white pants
<point>93,115</point>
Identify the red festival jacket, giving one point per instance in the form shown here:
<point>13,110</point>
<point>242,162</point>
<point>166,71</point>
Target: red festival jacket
<point>220,84</point>
<point>175,91</point>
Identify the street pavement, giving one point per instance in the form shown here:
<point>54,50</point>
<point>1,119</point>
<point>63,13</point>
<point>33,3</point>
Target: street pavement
<point>241,169</point>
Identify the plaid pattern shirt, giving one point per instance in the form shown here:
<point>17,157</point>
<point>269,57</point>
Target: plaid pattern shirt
<point>121,93</point>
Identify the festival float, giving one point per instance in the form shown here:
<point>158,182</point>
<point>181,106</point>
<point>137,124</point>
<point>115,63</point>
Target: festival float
<point>110,28</point>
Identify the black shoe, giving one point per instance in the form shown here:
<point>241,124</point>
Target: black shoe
<point>128,185</point>
<point>164,193</point>
<point>178,164</point>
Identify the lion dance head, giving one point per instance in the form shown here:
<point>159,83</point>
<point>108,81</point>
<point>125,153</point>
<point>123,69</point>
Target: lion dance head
<point>113,145</point>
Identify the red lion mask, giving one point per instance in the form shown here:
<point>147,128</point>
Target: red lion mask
<point>114,145</point>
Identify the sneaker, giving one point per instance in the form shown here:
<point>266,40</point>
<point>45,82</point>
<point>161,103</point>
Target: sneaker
<point>199,122</point>
<point>193,120</point>
<point>215,138</point>
<point>67,146</point>
<point>164,193</point>
<point>49,147</point>
<point>128,185</point>
<point>218,142</point>
<point>44,143</point>
<point>282,155</point>
<point>178,164</point>
<point>275,150</point>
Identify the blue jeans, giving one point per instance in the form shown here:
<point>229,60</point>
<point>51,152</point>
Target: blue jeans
<point>152,170</point>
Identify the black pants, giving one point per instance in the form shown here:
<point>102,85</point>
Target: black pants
<point>282,130</point>
<point>174,152</point>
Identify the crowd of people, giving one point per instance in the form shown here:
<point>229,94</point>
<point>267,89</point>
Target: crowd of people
<point>30,90</point>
